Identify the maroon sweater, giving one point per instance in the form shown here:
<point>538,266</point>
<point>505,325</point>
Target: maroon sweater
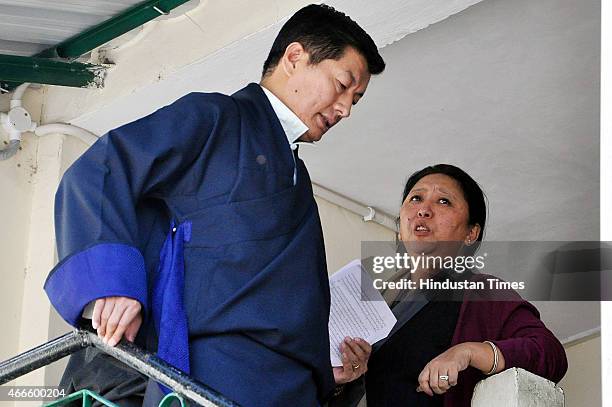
<point>514,325</point>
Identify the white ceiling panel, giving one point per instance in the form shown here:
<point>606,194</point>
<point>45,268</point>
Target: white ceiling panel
<point>30,26</point>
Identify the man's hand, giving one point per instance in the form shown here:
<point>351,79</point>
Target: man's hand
<point>355,355</point>
<point>115,317</point>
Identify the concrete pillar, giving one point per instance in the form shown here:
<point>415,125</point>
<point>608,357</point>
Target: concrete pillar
<point>517,388</point>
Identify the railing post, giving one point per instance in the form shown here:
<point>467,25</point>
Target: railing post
<point>517,388</point>
<point>139,359</point>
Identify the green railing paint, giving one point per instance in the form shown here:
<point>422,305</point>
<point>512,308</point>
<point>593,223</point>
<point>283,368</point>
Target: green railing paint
<point>15,70</point>
<point>88,396</point>
<point>18,69</point>
<point>170,398</point>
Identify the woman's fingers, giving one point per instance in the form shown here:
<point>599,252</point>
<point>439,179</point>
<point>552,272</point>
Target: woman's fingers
<point>360,348</point>
<point>441,381</point>
<point>348,359</point>
<point>345,373</point>
<point>453,376</point>
<point>424,382</point>
<point>434,380</point>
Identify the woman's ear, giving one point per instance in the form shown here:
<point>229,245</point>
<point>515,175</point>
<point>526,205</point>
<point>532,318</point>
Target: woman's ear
<point>293,54</point>
<point>473,234</point>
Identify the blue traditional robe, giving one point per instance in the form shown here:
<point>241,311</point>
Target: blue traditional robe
<point>198,200</point>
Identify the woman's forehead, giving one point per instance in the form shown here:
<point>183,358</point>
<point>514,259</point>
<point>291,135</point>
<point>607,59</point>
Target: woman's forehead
<point>441,182</point>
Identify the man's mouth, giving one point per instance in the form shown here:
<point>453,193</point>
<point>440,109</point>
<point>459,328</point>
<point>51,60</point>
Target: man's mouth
<point>326,123</point>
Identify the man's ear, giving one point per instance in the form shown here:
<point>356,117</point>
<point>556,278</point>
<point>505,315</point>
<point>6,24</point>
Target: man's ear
<point>294,54</point>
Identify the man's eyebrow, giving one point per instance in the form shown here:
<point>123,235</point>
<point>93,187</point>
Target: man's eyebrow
<point>354,80</point>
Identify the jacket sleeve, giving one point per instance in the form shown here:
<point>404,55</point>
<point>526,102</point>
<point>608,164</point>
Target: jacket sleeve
<point>95,205</point>
<point>528,344</point>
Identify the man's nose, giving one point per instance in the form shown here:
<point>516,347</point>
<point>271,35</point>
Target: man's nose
<point>343,107</point>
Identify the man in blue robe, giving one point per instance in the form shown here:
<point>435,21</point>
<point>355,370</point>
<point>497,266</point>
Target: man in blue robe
<point>194,232</point>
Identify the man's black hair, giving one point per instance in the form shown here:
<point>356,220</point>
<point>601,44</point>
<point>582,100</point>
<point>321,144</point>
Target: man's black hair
<point>325,33</point>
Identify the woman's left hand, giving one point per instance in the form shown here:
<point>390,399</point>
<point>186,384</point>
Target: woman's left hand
<point>449,364</point>
<point>355,354</point>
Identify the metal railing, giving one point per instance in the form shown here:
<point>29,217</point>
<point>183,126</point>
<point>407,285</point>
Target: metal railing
<point>126,352</point>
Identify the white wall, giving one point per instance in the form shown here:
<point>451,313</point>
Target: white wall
<point>344,231</point>
<point>28,181</point>
<point>582,383</point>
<point>15,203</point>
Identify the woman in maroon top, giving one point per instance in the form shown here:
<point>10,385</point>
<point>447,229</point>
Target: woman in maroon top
<point>436,356</point>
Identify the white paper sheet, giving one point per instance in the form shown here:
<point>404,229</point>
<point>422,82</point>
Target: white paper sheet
<point>357,309</point>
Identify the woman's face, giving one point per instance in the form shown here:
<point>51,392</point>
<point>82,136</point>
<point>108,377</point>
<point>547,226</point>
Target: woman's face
<point>436,211</point>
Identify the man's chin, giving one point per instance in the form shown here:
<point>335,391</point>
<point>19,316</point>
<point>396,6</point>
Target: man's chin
<point>311,137</point>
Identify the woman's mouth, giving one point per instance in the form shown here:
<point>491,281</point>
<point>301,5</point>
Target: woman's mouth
<point>421,230</point>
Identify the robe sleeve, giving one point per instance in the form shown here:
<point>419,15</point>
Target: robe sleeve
<point>529,344</point>
<point>95,205</point>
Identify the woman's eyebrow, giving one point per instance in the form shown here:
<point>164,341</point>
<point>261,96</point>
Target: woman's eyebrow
<point>445,191</point>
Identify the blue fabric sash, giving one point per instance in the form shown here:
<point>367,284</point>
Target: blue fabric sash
<point>168,310</point>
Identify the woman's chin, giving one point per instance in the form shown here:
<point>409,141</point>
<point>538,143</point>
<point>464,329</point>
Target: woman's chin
<point>421,246</point>
<point>429,246</point>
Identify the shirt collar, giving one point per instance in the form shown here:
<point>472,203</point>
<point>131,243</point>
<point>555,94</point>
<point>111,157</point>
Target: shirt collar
<point>292,125</point>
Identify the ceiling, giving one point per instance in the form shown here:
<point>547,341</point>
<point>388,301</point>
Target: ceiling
<point>28,27</point>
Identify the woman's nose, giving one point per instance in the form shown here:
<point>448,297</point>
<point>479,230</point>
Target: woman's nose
<point>424,212</point>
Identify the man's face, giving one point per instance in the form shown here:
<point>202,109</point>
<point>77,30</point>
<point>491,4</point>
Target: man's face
<point>323,94</point>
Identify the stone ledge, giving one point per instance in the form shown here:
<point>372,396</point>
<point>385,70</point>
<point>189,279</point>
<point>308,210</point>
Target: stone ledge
<point>517,388</point>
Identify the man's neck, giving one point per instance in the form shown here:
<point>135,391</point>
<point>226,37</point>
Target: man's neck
<point>275,85</point>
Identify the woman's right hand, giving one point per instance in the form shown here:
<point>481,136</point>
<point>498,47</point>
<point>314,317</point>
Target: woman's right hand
<point>355,355</point>
<point>115,317</point>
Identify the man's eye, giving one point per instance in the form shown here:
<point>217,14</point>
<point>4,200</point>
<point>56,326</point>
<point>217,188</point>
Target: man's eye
<point>342,86</point>
<point>444,201</point>
<point>415,198</point>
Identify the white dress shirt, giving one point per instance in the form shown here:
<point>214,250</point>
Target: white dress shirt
<point>292,125</point>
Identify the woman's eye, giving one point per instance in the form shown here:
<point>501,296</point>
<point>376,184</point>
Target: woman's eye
<point>415,198</point>
<point>342,86</point>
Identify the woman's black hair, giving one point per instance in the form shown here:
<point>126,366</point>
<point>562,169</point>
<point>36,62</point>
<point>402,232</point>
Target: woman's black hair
<point>473,194</point>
